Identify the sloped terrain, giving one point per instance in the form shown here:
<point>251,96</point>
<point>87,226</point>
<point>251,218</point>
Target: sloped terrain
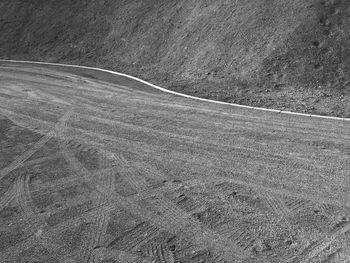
<point>284,54</point>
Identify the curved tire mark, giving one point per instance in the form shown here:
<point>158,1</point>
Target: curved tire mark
<point>27,154</point>
<point>8,196</point>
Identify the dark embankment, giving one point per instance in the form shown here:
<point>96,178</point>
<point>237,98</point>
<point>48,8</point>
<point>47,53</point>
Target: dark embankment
<point>284,54</point>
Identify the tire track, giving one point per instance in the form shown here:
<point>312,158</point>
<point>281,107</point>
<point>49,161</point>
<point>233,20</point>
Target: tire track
<point>30,123</point>
<point>41,160</point>
<point>190,140</point>
<point>104,136</point>
<point>64,182</point>
<point>190,183</point>
<point>101,218</point>
<point>27,154</point>
<point>276,205</point>
<point>253,185</point>
<point>281,207</point>
<point>130,174</point>
<point>126,204</point>
<point>117,256</point>
<point>35,223</point>
<point>21,187</point>
<point>59,184</point>
<point>174,221</point>
<point>318,246</point>
<point>135,237</point>
<point>154,176</point>
<point>157,213</point>
<point>161,254</point>
<point>243,239</point>
<point>240,236</point>
<point>82,172</point>
<point>81,147</point>
<point>188,203</point>
<point>179,220</point>
<point>9,195</point>
<point>53,231</point>
<point>296,205</point>
<point>217,259</point>
<point>28,243</point>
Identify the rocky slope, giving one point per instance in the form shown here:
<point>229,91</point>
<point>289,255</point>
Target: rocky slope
<point>284,54</point>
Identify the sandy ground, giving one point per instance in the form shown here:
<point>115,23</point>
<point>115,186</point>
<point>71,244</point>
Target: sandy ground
<point>114,171</point>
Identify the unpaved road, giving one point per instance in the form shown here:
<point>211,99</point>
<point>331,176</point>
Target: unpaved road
<point>101,168</point>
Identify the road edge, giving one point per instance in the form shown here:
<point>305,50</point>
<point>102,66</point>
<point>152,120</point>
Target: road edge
<point>177,93</point>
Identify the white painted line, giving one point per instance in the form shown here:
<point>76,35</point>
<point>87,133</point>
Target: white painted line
<point>177,93</point>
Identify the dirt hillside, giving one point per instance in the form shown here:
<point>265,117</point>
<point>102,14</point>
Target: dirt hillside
<point>284,54</point>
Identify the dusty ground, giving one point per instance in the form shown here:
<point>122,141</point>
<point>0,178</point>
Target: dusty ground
<point>283,54</point>
<point>92,171</point>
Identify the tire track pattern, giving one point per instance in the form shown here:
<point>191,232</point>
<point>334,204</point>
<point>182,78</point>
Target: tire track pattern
<point>161,254</point>
<point>296,205</point>
<point>134,238</point>
<point>98,217</point>
<point>320,245</point>
<point>169,216</point>
<point>104,194</point>
<point>161,212</point>
<point>276,205</point>
<point>34,222</point>
<point>101,217</point>
<point>9,196</point>
<point>27,154</point>
<point>21,188</point>
<point>240,236</point>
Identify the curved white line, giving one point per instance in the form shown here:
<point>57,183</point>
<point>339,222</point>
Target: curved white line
<point>177,93</point>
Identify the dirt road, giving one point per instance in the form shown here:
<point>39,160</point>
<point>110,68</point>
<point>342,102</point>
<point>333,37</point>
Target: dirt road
<point>100,168</point>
